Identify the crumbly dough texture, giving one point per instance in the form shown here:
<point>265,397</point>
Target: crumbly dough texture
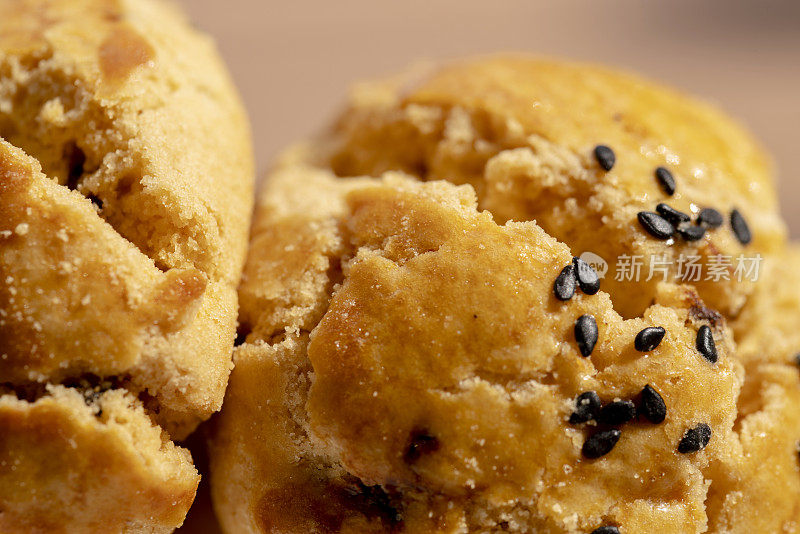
<point>767,329</point>
<point>126,180</point>
<point>93,463</point>
<point>521,132</point>
<point>407,367</point>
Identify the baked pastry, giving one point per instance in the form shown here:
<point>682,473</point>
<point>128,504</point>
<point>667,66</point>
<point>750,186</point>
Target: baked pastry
<point>126,180</point>
<point>523,133</point>
<point>424,357</point>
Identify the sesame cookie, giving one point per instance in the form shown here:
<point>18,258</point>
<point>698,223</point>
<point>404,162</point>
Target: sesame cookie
<point>409,368</point>
<point>605,162</point>
<point>125,192</point>
<point>425,351</point>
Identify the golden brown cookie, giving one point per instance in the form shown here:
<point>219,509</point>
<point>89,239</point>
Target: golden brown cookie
<point>125,191</point>
<point>415,364</point>
<point>409,369</point>
<point>523,132</point>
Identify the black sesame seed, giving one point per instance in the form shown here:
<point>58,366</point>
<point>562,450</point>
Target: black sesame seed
<point>605,156</point>
<point>656,225</point>
<point>600,443</point>
<point>692,232</point>
<point>705,344</point>
<point>796,359</point>
<point>586,334</point>
<point>710,218</point>
<point>649,338</point>
<point>665,180</point>
<point>652,405</point>
<point>587,277</point>
<point>695,439</point>
<point>617,413</point>
<point>420,443</point>
<point>740,228</point>
<point>606,530</point>
<point>564,286</point>
<point>587,404</point>
<point>672,215</point>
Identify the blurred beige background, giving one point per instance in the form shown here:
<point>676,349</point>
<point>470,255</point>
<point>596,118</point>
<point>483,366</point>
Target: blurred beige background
<point>294,60</point>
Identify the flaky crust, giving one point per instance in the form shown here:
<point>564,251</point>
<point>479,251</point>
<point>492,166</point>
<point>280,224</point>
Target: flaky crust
<point>126,180</point>
<point>407,367</point>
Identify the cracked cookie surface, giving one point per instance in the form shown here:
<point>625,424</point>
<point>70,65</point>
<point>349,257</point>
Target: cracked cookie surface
<point>126,181</point>
<point>408,367</point>
<point>523,133</point>
<point>425,383</point>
